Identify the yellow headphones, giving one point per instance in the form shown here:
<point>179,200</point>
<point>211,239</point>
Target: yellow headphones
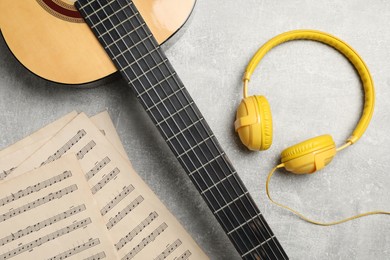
<point>254,120</point>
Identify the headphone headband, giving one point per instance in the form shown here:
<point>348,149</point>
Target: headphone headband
<point>343,48</point>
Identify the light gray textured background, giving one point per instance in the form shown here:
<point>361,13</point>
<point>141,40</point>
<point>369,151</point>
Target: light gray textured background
<point>312,90</point>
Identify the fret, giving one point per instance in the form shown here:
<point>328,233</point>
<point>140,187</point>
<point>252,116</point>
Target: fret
<point>174,137</point>
<point>205,182</point>
<point>140,60</point>
<point>133,49</point>
<point>102,30</point>
<point>193,126</point>
<point>103,17</point>
<point>196,146</point>
<point>90,7</point>
<point>203,166</point>
<point>161,83</point>
<point>214,170</point>
<point>124,65</point>
<point>159,115</point>
<point>262,255</point>
<point>254,234</point>
<point>227,191</point>
<point>161,100</point>
<point>269,249</point>
<point>158,96</point>
<point>230,202</point>
<point>245,223</point>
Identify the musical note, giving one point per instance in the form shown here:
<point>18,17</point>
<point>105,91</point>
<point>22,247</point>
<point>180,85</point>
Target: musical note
<point>123,213</point>
<point>147,240</point>
<point>40,225</point>
<point>76,249</point>
<point>97,256</point>
<point>126,239</point>
<point>80,155</point>
<point>185,255</point>
<point>60,152</point>
<point>126,190</point>
<point>52,196</point>
<point>4,174</point>
<point>169,250</point>
<point>97,168</point>
<point>35,188</point>
<point>105,180</point>
<point>42,240</point>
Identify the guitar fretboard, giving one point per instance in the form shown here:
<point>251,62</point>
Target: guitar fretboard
<point>128,41</point>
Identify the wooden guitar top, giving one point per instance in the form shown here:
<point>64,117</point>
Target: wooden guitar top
<point>50,38</point>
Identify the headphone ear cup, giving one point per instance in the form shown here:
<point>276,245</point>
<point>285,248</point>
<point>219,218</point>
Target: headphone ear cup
<point>310,155</point>
<point>266,122</point>
<point>254,123</point>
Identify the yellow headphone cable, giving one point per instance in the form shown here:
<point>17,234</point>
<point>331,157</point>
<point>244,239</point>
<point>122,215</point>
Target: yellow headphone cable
<point>271,173</point>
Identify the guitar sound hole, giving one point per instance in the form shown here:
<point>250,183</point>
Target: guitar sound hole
<point>62,9</point>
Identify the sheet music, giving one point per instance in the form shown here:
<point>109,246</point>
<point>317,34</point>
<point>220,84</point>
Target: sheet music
<point>49,213</point>
<point>138,223</point>
<point>15,154</point>
<point>41,136</point>
<point>106,126</point>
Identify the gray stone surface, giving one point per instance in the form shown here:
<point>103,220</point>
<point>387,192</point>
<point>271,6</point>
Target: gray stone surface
<point>312,90</point>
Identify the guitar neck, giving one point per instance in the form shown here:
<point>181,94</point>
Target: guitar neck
<point>128,41</point>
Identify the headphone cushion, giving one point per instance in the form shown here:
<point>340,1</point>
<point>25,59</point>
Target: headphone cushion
<point>305,147</point>
<point>266,122</point>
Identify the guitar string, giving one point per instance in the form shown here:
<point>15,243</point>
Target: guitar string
<point>171,101</point>
<point>168,82</point>
<point>226,177</point>
<point>178,84</point>
<point>145,88</point>
<point>127,62</point>
<point>152,84</point>
<point>245,193</point>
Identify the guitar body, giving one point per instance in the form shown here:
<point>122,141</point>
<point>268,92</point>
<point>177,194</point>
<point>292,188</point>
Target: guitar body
<point>51,39</point>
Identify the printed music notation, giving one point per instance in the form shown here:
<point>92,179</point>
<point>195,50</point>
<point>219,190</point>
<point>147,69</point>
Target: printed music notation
<point>147,240</point>
<point>77,249</point>
<point>169,250</point>
<point>80,155</point>
<point>38,202</point>
<point>36,187</point>
<point>97,168</point>
<point>185,255</point>
<point>118,217</point>
<point>105,180</point>
<point>40,225</point>
<point>40,241</point>
<point>49,229</point>
<point>4,174</point>
<point>97,256</point>
<point>152,216</point>
<point>66,147</point>
<point>126,190</point>
<point>105,170</point>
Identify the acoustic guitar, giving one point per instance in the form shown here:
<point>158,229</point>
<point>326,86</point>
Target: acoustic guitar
<point>125,35</point>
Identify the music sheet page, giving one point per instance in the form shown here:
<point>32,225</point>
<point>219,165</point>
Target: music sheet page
<point>42,134</point>
<point>14,155</point>
<point>106,126</point>
<point>49,213</point>
<point>138,223</point>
